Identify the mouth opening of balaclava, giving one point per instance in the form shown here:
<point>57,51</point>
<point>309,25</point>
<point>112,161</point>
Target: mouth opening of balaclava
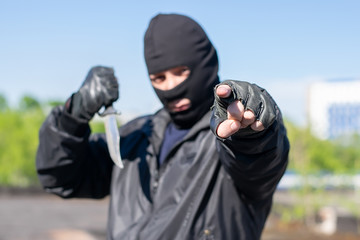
<point>173,40</point>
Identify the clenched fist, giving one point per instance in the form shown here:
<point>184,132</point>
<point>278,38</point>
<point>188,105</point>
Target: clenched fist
<point>100,88</point>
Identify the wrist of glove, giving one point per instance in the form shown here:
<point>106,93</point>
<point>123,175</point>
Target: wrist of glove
<point>76,108</point>
<point>99,89</point>
<point>252,97</point>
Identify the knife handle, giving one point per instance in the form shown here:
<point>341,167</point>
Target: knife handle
<point>108,110</point>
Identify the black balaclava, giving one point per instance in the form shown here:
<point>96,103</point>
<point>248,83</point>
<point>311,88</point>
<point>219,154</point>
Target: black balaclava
<point>173,40</point>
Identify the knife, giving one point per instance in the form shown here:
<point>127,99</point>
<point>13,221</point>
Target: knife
<point>112,134</point>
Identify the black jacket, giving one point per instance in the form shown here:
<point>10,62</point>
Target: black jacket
<point>207,188</point>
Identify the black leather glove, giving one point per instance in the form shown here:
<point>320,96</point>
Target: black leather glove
<point>100,88</point>
<point>252,97</point>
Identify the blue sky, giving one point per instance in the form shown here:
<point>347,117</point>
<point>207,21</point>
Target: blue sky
<point>47,47</point>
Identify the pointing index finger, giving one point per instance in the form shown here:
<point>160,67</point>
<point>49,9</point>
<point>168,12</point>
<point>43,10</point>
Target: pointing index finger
<point>223,91</point>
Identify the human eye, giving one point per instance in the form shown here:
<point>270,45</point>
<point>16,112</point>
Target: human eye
<point>185,71</point>
<point>182,71</point>
<point>157,78</point>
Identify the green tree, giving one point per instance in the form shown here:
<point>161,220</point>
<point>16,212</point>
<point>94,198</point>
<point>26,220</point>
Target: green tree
<point>97,126</point>
<point>3,103</point>
<point>18,144</point>
<point>309,154</point>
<point>54,103</point>
<point>28,102</point>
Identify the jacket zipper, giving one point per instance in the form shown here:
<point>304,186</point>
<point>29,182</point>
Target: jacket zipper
<point>158,172</point>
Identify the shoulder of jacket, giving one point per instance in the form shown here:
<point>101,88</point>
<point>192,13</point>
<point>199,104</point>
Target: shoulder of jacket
<point>138,123</point>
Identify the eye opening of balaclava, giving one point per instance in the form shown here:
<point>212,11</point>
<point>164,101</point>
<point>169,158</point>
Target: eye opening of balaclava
<point>173,40</point>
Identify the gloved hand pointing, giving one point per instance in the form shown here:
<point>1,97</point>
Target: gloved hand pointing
<point>240,105</point>
<point>100,88</point>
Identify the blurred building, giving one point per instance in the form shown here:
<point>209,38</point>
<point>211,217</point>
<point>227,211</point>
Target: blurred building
<point>334,108</point>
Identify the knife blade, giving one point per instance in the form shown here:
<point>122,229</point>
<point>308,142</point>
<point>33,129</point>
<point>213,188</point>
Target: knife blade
<point>112,135</point>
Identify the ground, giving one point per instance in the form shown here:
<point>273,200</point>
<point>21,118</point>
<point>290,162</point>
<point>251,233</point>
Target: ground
<point>33,215</point>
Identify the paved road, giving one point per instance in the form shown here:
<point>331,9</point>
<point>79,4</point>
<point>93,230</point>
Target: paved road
<point>40,216</point>
<point>47,217</point>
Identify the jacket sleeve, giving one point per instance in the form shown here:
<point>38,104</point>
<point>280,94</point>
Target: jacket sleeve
<point>256,161</point>
<point>70,162</point>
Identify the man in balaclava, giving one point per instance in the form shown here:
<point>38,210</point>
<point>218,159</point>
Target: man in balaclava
<point>187,46</point>
<point>205,171</point>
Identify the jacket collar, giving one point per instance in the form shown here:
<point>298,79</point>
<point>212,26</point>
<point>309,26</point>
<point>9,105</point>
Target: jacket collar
<point>156,128</point>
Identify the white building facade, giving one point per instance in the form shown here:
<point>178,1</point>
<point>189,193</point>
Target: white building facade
<point>334,108</point>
